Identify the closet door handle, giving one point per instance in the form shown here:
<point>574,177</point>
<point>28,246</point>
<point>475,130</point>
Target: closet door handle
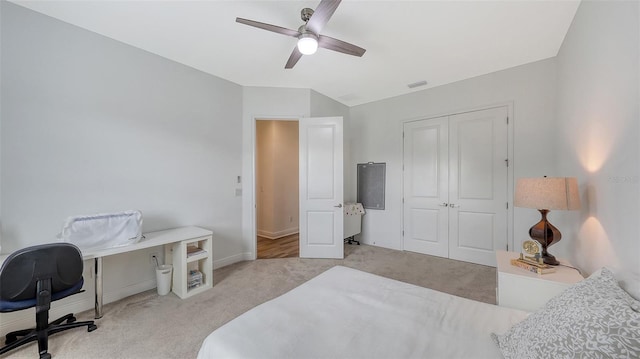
<point>444,204</point>
<point>454,205</point>
<point>339,205</point>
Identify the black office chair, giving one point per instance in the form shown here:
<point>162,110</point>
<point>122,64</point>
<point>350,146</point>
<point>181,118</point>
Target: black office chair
<point>34,277</point>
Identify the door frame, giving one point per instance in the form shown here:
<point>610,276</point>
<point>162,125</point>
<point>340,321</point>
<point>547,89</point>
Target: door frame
<point>254,204</point>
<point>510,157</point>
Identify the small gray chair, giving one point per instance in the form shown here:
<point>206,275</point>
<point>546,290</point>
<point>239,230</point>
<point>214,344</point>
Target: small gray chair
<point>34,277</point>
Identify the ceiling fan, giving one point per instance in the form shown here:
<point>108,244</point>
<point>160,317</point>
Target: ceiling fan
<point>309,38</point>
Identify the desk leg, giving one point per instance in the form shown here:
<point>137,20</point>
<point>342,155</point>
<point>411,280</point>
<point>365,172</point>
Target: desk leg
<point>98,287</point>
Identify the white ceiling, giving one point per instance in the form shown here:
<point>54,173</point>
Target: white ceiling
<point>406,41</point>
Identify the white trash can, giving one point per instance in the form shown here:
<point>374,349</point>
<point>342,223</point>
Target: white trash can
<point>163,277</point>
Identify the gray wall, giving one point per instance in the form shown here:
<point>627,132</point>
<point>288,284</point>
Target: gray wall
<point>91,125</point>
<point>376,135</point>
<point>598,128</point>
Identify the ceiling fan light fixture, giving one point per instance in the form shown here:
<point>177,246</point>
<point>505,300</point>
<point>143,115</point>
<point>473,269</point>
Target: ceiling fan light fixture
<point>307,44</point>
<point>308,34</point>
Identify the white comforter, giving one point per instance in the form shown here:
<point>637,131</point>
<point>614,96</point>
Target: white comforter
<point>346,313</point>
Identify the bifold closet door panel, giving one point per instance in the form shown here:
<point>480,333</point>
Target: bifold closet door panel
<point>478,147</point>
<point>426,186</point>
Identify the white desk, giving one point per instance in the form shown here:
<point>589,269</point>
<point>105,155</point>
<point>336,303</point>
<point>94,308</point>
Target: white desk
<point>151,239</point>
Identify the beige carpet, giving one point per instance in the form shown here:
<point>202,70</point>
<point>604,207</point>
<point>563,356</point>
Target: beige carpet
<point>150,326</point>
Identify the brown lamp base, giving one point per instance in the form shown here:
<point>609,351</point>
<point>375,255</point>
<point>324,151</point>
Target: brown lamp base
<point>550,259</point>
<point>546,234</point>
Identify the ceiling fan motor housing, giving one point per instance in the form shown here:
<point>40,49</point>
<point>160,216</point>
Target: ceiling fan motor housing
<point>306,13</point>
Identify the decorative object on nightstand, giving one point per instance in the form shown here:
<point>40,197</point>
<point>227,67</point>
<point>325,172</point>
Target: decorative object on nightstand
<point>545,194</point>
<point>533,262</point>
<point>532,248</point>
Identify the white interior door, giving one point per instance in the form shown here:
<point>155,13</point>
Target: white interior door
<point>426,186</point>
<point>321,188</point>
<point>478,214</point>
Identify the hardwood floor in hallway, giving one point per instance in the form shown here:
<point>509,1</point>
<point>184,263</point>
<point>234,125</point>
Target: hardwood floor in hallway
<point>284,247</point>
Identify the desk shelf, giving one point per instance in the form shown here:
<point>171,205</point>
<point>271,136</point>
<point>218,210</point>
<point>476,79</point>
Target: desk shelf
<point>198,257</point>
<point>183,263</point>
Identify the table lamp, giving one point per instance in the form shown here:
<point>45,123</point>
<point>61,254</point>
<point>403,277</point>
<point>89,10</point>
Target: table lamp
<point>545,194</point>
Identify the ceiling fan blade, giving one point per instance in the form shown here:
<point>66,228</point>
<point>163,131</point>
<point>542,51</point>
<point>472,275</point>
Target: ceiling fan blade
<point>269,27</point>
<point>293,59</point>
<point>330,43</point>
<point>321,15</point>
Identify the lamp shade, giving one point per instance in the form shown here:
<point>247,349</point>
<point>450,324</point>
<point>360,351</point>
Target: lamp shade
<point>558,193</point>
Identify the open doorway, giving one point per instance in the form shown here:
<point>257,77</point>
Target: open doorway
<point>277,192</point>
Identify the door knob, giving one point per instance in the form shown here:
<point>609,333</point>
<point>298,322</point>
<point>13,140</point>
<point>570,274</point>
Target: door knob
<point>454,205</point>
<point>339,205</point>
<point>444,204</point>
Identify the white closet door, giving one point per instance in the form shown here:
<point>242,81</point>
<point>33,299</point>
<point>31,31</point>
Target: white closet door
<point>425,186</point>
<point>478,185</point>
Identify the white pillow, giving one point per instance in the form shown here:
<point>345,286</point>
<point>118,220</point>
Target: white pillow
<point>594,318</point>
<point>630,282</point>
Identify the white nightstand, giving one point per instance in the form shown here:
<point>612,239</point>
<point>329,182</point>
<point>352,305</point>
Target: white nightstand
<point>520,289</point>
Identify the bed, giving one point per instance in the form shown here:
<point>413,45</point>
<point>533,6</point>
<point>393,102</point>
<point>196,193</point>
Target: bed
<point>346,313</point>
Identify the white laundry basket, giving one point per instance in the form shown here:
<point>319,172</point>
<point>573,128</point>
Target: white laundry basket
<point>163,277</point>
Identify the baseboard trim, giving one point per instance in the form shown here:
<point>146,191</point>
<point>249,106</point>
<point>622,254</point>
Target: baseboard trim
<point>278,234</point>
<point>85,301</point>
<point>27,319</point>
<point>128,291</point>
<point>82,302</point>
<point>223,262</point>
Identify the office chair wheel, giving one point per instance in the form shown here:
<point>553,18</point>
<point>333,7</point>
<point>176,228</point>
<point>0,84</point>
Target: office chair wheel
<point>71,320</point>
<point>92,327</point>
<point>45,356</point>
<point>10,339</point>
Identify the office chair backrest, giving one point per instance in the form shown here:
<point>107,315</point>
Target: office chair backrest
<point>20,272</point>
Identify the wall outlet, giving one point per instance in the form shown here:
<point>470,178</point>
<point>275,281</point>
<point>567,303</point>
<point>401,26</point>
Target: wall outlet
<point>154,258</point>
